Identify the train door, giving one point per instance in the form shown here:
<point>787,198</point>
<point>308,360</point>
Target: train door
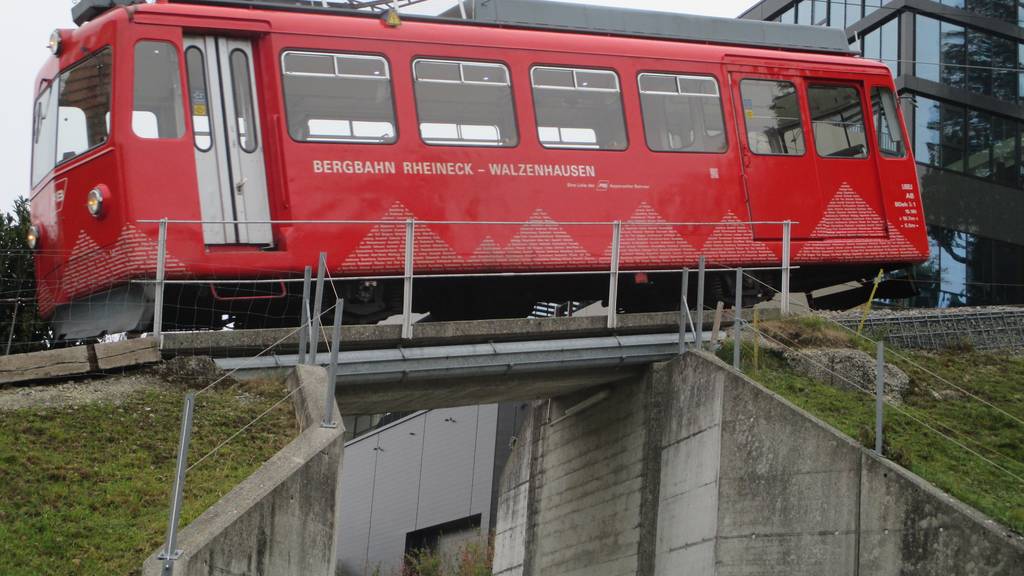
<point>779,169</point>
<point>228,144</point>
<point>848,168</point>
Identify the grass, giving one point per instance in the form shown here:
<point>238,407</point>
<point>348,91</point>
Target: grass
<point>955,417</point>
<point>86,490</point>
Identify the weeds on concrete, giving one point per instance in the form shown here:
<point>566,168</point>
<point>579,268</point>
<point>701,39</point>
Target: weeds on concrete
<point>473,559</point>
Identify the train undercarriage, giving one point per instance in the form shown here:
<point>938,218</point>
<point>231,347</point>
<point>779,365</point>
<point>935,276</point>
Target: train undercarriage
<point>278,304</point>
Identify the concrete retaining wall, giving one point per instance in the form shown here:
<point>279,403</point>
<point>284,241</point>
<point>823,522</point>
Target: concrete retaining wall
<point>697,470</point>
<point>282,518</point>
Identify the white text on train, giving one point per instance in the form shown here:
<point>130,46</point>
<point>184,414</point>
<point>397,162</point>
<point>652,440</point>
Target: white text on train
<point>543,170</point>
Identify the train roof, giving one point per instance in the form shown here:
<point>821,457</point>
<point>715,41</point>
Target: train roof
<point>565,17</point>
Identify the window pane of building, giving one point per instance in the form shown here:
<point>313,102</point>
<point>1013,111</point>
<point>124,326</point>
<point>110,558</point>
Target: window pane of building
<point>939,134</point>
<point>890,50</point>
<point>872,44</point>
<point>953,55</point>
<point>926,49</point>
<point>979,144</point>
<point>158,90</point>
<point>803,12</point>
<point>979,59</point>
<point>887,125</point>
<point>870,6</point>
<point>1004,64</point>
<point>771,110</point>
<point>788,17</point>
<point>353,103</point>
<point>474,108</point>
<point>838,121</point>
<point>853,11</point>
<point>1004,151</point>
<point>682,113</point>
<point>579,109</point>
<point>999,9</point>
<point>820,16</point>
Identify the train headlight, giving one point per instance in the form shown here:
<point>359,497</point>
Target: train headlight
<point>32,238</point>
<point>94,202</point>
<point>56,43</point>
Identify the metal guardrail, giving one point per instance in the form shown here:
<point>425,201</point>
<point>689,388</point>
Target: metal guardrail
<point>409,276</point>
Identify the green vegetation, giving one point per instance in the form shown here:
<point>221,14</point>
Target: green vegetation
<point>997,379</point>
<point>473,559</point>
<point>86,489</point>
<point>18,281</point>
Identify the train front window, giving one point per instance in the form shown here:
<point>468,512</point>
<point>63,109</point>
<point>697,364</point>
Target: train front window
<point>682,113</point>
<point>838,121</point>
<point>338,98</point>
<point>887,123</point>
<point>72,116</point>
<point>579,108</point>
<point>44,135</point>
<point>465,103</point>
<point>157,111</point>
<point>771,110</point>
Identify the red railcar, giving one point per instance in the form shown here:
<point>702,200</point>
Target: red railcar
<point>255,120</point>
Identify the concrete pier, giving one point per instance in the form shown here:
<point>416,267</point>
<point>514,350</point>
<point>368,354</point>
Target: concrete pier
<point>696,470</point>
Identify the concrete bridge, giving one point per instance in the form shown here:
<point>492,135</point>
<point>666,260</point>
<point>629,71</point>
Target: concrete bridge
<point>632,460</point>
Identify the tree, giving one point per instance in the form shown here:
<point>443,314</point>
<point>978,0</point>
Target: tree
<point>18,282</point>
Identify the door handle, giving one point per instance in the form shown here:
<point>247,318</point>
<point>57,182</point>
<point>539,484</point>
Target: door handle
<point>240,185</point>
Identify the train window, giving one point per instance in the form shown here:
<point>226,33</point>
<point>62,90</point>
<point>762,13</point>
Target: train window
<point>682,113</point>
<point>771,110</point>
<point>157,109</point>
<point>338,98</point>
<point>199,99</point>
<point>84,106</point>
<point>578,108</point>
<point>887,123</point>
<point>465,103</point>
<point>245,110</point>
<point>838,121</point>
<point>44,134</point>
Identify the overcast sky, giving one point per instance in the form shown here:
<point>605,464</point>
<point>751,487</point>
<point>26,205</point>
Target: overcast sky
<point>24,43</point>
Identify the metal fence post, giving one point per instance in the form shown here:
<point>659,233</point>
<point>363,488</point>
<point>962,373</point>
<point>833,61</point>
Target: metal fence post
<point>613,281</point>
<point>684,309</point>
<point>304,315</point>
<point>161,273</point>
<point>737,321</point>
<point>14,324</point>
<point>879,396</point>
<point>170,552</point>
<point>699,328</point>
<point>318,306</point>
<point>410,252</point>
<point>332,371</point>
<point>787,237</point>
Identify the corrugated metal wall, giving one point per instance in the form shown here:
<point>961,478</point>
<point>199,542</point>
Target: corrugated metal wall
<point>430,468</point>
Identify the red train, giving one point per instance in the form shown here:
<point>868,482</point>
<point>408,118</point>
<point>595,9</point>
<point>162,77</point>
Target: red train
<point>255,117</point>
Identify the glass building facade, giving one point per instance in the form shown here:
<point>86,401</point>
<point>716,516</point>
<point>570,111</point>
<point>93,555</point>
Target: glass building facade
<point>959,67</point>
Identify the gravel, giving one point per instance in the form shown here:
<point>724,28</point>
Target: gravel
<point>847,369</point>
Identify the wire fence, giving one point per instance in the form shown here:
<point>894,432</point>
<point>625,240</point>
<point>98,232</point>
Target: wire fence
<point>186,298</point>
